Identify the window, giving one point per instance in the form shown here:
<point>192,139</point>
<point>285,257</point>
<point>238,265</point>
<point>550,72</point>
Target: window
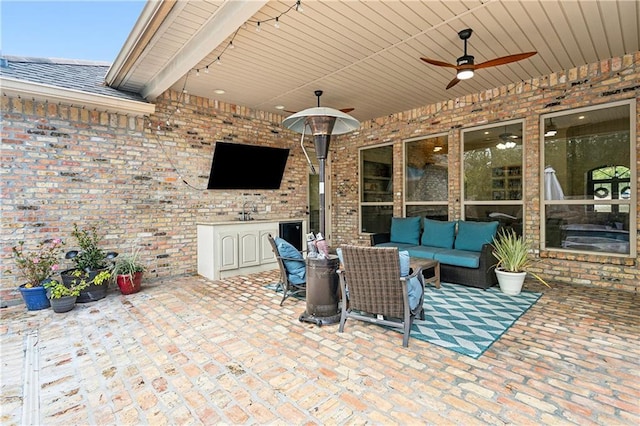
<point>426,177</point>
<point>588,194</point>
<point>493,174</point>
<point>376,188</point>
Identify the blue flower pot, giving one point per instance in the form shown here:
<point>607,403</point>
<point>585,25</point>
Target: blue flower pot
<point>35,298</point>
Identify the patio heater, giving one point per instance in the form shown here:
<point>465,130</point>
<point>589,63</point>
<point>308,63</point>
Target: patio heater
<point>322,279</point>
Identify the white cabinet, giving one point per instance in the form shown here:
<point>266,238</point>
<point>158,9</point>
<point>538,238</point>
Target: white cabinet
<point>234,248</point>
<point>248,248</point>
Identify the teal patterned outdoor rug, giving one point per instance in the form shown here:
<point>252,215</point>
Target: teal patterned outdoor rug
<point>468,320</point>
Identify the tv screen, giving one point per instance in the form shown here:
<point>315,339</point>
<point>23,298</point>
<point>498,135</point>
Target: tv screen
<point>238,166</point>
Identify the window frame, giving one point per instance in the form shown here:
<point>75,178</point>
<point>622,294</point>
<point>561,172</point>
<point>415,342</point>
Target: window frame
<point>632,201</point>
<point>521,202</point>
<point>361,203</point>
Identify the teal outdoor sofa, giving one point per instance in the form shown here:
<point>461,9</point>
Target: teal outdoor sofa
<point>463,248</point>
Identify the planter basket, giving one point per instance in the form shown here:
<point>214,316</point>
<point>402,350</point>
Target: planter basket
<point>63,304</point>
<point>92,292</point>
<point>127,285</point>
<point>35,297</point>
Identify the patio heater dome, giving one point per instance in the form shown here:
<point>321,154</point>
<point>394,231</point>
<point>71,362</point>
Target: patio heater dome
<point>321,120</point>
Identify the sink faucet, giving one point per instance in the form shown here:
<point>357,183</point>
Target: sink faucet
<point>246,214</point>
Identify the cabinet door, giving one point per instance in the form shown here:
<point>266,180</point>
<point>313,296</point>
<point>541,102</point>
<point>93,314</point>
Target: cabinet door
<point>228,250</point>
<point>249,248</point>
<point>266,253</point>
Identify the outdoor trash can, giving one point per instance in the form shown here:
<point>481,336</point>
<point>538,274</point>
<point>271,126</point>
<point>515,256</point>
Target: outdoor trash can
<point>322,291</point>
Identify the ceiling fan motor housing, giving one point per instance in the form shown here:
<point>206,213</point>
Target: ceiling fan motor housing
<point>465,60</point>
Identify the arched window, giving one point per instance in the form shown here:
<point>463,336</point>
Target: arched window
<point>609,183</point>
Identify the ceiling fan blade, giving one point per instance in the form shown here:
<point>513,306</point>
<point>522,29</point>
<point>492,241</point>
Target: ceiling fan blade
<point>505,60</point>
<point>438,63</point>
<point>453,83</point>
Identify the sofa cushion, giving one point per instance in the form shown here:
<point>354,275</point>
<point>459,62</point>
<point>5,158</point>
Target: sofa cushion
<point>296,269</point>
<point>438,233</point>
<point>401,246</point>
<point>473,235</point>
<point>464,258</point>
<point>405,230</point>
<point>424,252</point>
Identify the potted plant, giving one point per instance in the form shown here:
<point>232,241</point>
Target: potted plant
<point>92,265</point>
<point>37,267</point>
<point>128,270</point>
<point>63,298</point>
<point>512,252</point>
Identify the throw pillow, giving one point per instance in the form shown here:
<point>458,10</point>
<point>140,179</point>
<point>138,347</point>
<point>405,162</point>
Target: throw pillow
<point>296,269</point>
<point>473,235</point>
<point>414,288</point>
<point>438,233</point>
<point>405,230</point>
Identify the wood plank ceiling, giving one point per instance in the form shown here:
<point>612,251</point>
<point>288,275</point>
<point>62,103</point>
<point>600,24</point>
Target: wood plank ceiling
<point>363,54</point>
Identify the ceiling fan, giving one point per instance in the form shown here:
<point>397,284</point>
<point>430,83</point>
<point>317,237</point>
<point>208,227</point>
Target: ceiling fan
<point>318,93</point>
<point>465,66</point>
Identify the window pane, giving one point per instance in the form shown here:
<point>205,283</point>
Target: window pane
<point>431,212</point>
<point>493,163</point>
<point>583,227</point>
<point>377,174</point>
<point>588,147</point>
<point>426,169</point>
<point>509,216</point>
<point>376,218</point>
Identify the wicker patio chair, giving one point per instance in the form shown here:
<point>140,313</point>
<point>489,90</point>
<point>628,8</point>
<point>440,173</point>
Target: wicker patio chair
<point>292,269</point>
<point>375,292</point>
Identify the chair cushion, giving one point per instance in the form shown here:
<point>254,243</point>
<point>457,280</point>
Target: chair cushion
<point>296,269</point>
<point>473,235</point>
<point>405,266</point>
<point>438,233</point>
<point>405,230</point>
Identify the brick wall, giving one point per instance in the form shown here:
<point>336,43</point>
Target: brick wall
<point>593,84</point>
<point>143,180</point>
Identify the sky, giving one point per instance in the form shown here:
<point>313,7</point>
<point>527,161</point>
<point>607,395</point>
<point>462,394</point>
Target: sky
<point>92,30</point>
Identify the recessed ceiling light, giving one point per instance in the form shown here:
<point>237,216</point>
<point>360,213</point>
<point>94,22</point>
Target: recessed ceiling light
<point>219,92</point>
<point>486,133</point>
<point>581,117</point>
<point>279,106</point>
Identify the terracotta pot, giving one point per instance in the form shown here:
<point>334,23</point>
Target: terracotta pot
<point>127,285</point>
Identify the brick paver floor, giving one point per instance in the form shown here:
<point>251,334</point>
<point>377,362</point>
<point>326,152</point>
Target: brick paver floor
<point>192,351</point>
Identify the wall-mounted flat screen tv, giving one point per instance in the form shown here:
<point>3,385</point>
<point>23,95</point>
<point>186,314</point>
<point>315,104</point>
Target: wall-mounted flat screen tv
<point>240,166</point>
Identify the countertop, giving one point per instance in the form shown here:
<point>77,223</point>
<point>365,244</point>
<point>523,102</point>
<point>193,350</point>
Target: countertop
<point>246,222</point>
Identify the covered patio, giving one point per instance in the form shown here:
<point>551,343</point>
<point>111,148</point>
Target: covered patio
<point>187,350</point>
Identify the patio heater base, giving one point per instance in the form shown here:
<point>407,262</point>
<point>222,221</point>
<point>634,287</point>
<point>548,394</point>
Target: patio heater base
<point>322,291</point>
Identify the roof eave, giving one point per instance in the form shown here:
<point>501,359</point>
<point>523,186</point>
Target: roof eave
<point>44,92</point>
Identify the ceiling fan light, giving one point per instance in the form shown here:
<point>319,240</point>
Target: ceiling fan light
<point>551,130</point>
<point>464,73</point>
